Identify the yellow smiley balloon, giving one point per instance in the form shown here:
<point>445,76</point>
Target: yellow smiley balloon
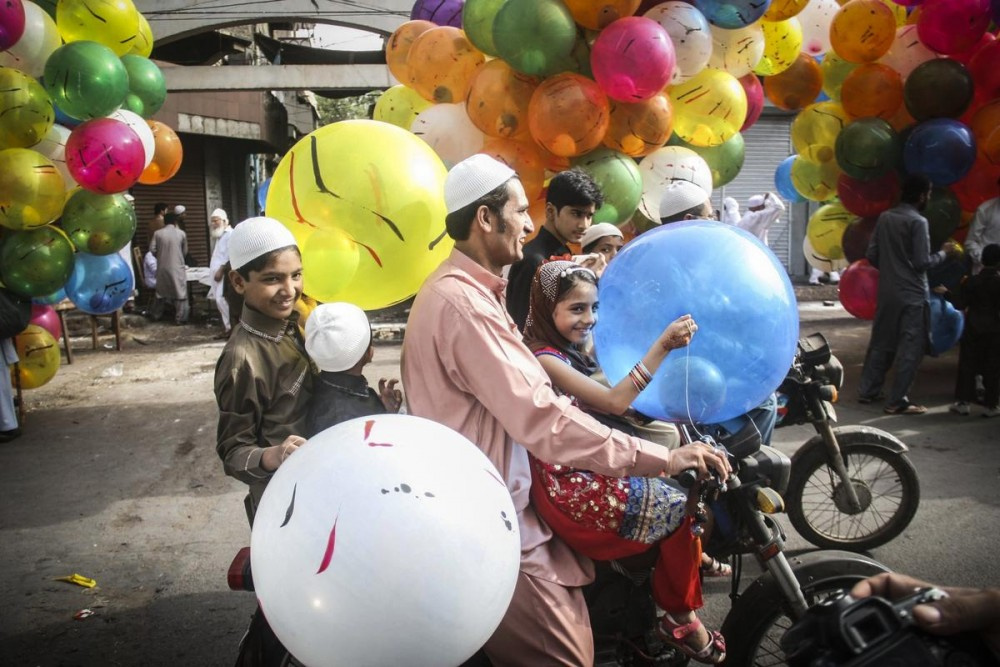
<point>709,108</point>
<point>39,356</point>
<point>383,189</point>
<point>826,229</point>
<point>113,23</point>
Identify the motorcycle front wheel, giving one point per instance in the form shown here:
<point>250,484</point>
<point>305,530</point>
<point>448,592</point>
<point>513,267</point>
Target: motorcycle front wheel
<point>885,482</point>
<point>761,615</point>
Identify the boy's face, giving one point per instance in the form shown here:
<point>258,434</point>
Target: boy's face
<point>571,221</point>
<point>274,290</point>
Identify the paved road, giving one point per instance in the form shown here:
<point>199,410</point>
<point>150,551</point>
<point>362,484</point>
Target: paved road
<point>117,479</point>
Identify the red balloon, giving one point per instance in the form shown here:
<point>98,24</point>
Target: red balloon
<point>755,98</point>
<point>856,238</point>
<point>868,198</point>
<point>978,185</point>
<point>965,56</point>
<point>984,67</point>
<point>859,289</point>
<point>47,318</point>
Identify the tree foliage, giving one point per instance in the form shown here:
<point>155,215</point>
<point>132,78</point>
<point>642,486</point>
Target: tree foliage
<point>346,108</point>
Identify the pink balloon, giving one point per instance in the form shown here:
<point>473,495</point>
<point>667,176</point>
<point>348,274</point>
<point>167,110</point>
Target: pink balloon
<point>755,98</point>
<point>105,155</point>
<point>47,318</point>
<point>633,59</point>
<point>953,26</point>
<point>859,289</point>
<point>11,23</point>
<point>965,57</point>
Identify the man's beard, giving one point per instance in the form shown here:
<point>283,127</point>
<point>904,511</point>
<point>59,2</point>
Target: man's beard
<point>216,232</point>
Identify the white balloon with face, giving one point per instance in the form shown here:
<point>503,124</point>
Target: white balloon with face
<point>690,32</point>
<point>385,540</point>
<point>666,165</point>
<point>142,130</point>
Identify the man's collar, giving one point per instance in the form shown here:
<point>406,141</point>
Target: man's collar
<point>477,271</point>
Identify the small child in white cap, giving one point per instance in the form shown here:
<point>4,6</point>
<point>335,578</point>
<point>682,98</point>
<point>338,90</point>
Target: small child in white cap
<point>339,341</point>
<point>603,238</point>
<point>263,379</point>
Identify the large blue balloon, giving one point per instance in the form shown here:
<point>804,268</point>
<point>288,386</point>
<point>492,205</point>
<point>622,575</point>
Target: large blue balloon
<point>262,194</point>
<point>947,324</point>
<point>783,181</point>
<point>942,149</point>
<point>99,284</point>
<point>738,293</point>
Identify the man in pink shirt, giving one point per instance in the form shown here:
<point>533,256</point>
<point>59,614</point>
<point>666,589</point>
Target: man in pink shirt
<point>464,366</point>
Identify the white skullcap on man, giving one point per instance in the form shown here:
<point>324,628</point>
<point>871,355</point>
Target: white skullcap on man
<point>255,237</point>
<point>220,214</point>
<point>337,336</point>
<point>755,201</point>
<point>473,178</point>
<point>179,209</point>
<point>599,231</point>
<point>681,196</point>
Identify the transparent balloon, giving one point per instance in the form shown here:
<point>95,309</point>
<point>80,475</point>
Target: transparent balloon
<point>31,189</point>
<point>447,129</point>
<point>399,105</point>
<point>939,88</point>
<point>441,64</point>
<point>736,51</point>
<point>815,129</point>
<point>872,89</point>
<point>39,40</point>
<point>666,165</point>
<point>98,224</point>
<point>26,113</point>
<point>439,12</point>
<point>782,44</point>
<point>907,51</point>
<point>858,289</point>
<point>639,129</point>
<point>632,59</point>
<point>709,108</point>
<point>618,177</point>
<point>826,229</point>
<point>332,258</point>
<point>11,23</point>
<point>815,180</point>
<point>477,21</point>
<point>86,79</point>
<point>943,149</point>
<point>568,114</point>
<point>147,89</point>
<point>113,23</point>
<point>397,47</point>
<point>947,324</point>
<point>39,356</point>
<point>168,153</point>
<point>690,33</point>
<point>796,86</point>
<point>815,19</point>
<point>534,36</point>
<point>868,148</point>
<point>498,100</point>
<point>35,262</point>
<point>105,155</point>
<point>599,14</point>
<point>731,14</point>
<point>100,284</point>
<point>862,30</point>
<point>735,289</point>
<point>952,26</point>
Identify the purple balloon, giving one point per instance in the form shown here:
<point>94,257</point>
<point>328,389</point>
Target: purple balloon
<point>11,23</point>
<point>105,155</point>
<point>633,59</point>
<point>942,149</point>
<point>439,12</point>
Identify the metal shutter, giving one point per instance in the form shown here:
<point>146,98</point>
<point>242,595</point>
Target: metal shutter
<point>767,143</point>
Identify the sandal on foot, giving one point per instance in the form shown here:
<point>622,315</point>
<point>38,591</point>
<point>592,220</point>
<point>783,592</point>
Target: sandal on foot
<point>906,408</point>
<point>716,568</point>
<point>675,634</point>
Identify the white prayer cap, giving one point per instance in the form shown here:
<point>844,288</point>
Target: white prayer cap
<point>472,178</point>
<point>128,197</point>
<point>681,196</point>
<point>755,201</point>
<point>179,209</point>
<point>255,237</point>
<point>599,231</point>
<point>219,213</point>
<point>337,336</point>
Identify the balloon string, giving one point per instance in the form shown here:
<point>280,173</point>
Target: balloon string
<point>687,389</point>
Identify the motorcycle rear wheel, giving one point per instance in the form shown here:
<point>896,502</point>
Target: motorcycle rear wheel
<point>761,615</point>
<point>884,479</point>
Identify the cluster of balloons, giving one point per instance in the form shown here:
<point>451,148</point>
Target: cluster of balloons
<point>636,93</point>
<point>895,87</point>
<point>77,90</point>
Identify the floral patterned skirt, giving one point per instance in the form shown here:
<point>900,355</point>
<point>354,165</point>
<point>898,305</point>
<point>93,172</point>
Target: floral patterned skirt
<point>637,509</point>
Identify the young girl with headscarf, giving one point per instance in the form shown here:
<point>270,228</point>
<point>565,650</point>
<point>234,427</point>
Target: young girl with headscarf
<point>608,518</point>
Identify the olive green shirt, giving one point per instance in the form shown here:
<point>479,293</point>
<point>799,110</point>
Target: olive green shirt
<point>263,383</point>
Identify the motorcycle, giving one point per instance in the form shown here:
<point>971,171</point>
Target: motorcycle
<point>623,615</point>
<point>851,487</point>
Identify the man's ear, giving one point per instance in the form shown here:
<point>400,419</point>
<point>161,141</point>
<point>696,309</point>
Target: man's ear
<point>482,219</point>
<point>237,281</point>
<point>550,212</point>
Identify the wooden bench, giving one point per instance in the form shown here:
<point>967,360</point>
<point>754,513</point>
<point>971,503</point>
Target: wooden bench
<point>66,305</point>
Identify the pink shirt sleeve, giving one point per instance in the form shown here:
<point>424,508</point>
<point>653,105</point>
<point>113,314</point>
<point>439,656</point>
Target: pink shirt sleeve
<point>490,362</point>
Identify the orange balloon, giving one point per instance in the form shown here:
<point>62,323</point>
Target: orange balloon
<point>797,86</point>
<point>901,119</point>
<point>862,30</point>
<point>639,129</point>
<point>986,128</point>
<point>596,14</point>
<point>498,100</point>
<point>568,114</point>
<point>524,157</point>
<point>442,63</point>
<point>872,89</point>
<point>168,153</point>
<point>397,47</point>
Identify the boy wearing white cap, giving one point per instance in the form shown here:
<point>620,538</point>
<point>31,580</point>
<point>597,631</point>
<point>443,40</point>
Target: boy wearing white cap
<point>603,238</point>
<point>339,341</point>
<point>219,232</point>
<point>263,379</point>
<point>762,212</point>
<point>465,366</point>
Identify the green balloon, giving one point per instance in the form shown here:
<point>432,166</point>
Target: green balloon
<point>619,179</point>
<point>477,22</point>
<point>36,262</point>
<point>578,59</point>
<point>86,79</point>
<point>98,224</point>
<point>534,36</point>
<point>146,85</point>
<point>943,213</point>
<point>868,148</point>
<point>26,113</point>
<point>725,160</point>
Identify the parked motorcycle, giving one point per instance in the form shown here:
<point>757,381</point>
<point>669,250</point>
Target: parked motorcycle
<point>622,612</point>
<point>851,487</point>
